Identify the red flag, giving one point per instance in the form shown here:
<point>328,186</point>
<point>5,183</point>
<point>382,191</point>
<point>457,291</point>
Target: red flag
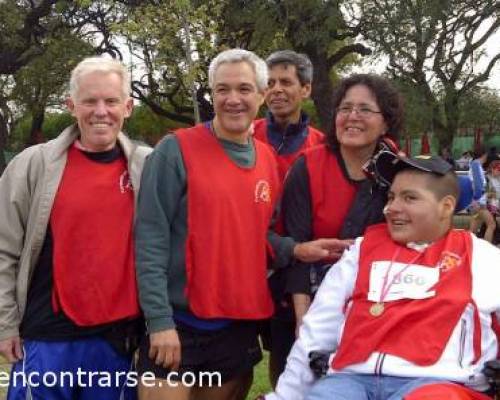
<point>426,147</point>
<point>407,149</point>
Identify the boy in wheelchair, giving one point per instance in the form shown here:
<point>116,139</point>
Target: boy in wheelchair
<point>409,309</point>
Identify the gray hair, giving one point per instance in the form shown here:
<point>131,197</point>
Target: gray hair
<point>302,63</point>
<point>99,64</point>
<point>239,55</point>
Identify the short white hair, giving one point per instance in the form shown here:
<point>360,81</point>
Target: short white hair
<point>240,55</point>
<point>99,64</point>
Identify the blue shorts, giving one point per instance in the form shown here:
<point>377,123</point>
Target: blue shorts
<point>82,369</point>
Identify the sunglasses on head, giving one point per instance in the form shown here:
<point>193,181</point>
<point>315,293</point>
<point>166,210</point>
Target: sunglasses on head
<point>385,145</point>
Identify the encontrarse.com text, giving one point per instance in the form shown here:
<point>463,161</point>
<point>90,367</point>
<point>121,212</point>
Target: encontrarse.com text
<point>82,378</point>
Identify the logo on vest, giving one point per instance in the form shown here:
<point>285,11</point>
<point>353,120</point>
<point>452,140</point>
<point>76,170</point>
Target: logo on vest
<point>262,192</point>
<point>125,182</point>
<point>449,261</point>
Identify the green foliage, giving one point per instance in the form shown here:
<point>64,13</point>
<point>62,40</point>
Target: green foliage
<point>418,115</point>
<point>314,21</point>
<point>481,108</point>
<point>20,134</point>
<point>53,125</point>
<point>40,83</point>
<point>428,43</point>
<point>310,26</point>
<point>145,125</point>
<point>11,17</point>
<point>315,27</point>
<point>175,40</point>
<point>310,109</point>
<point>434,45</point>
<point>25,28</point>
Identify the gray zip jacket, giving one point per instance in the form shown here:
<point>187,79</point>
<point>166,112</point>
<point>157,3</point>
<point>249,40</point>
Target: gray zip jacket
<point>27,190</point>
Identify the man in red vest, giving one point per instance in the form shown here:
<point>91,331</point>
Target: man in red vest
<point>286,127</point>
<point>68,297</point>
<point>202,243</point>
<point>412,303</point>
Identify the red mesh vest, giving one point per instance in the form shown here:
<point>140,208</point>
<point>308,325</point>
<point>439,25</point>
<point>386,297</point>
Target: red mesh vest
<point>92,227</point>
<point>415,330</point>
<point>314,137</point>
<point>331,193</point>
<point>229,212</point>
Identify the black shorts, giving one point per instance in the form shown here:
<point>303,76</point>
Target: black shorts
<point>231,351</point>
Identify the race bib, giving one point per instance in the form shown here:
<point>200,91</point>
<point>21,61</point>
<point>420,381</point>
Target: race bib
<point>404,282</point>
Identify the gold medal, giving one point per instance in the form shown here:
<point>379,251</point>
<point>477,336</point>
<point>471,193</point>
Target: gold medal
<point>377,309</point>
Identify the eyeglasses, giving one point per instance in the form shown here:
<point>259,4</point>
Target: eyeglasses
<point>363,112</point>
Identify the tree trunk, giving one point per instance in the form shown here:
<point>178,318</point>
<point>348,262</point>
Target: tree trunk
<point>452,116</point>
<point>322,93</point>
<point>3,142</point>
<point>205,107</point>
<point>36,134</point>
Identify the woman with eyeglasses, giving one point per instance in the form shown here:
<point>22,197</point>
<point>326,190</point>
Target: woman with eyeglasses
<point>328,193</point>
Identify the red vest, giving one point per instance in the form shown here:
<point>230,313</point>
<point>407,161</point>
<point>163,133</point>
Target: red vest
<point>314,137</point>
<point>92,226</point>
<point>229,212</point>
<point>331,193</point>
<point>415,330</point>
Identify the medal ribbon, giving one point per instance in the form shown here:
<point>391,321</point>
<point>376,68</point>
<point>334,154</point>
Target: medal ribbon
<point>385,286</point>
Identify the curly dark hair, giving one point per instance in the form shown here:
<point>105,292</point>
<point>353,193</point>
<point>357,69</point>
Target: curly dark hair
<point>388,99</point>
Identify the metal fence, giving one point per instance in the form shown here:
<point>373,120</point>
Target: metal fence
<point>460,144</point>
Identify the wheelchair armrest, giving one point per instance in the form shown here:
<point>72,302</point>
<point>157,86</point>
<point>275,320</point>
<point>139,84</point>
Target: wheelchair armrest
<point>492,372</point>
<point>319,363</point>
<point>492,369</point>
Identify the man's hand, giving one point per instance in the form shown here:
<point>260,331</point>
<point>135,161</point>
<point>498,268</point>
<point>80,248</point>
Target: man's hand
<point>321,249</point>
<point>165,348</point>
<point>11,349</point>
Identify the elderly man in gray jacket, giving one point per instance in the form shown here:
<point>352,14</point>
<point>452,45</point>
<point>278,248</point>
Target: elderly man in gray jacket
<point>68,298</point>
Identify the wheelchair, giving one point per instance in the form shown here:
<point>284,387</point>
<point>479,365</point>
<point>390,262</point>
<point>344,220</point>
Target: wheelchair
<point>319,364</point>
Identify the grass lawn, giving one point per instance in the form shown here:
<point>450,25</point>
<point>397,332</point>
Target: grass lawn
<point>4,367</point>
<point>261,383</point>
